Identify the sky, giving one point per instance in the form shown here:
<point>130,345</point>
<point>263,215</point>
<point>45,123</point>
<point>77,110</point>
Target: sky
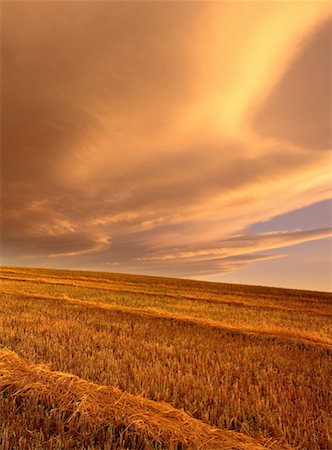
<point>187,139</point>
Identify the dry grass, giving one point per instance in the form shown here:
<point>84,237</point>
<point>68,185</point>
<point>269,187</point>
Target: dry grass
<point>181,342</point>
<point>239,306</point>
<point>85,402</point>
<point>272,332</point>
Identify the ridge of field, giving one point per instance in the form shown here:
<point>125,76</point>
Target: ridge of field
<point>272,333</point>
<point>92,405</point>
<point>241,306</point>
<point>105,285</point>
<point>206,361</point>
<point>162,283</point>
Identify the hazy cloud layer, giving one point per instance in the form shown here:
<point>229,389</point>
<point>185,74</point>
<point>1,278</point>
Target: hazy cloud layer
<point>148,136</point>
<point>299,109</point>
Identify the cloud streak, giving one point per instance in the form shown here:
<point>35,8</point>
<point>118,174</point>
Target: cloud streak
<point>242,245</point>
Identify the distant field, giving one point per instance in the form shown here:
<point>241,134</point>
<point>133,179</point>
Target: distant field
<point>88,360</point>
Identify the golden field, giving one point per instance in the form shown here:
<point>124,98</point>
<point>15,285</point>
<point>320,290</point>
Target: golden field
<point>110,361</point>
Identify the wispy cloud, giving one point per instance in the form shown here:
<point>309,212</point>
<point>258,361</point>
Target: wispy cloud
<point>244,245</point>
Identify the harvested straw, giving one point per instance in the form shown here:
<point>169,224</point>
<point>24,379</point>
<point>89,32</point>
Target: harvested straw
<point>102,405</point>
<point>295,336</point>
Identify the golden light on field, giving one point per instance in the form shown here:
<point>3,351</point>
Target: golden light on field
<point>136,361</point>
<point>137,132</point>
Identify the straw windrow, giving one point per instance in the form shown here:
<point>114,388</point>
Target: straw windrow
<point>101,405</point>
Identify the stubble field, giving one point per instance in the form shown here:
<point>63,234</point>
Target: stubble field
<point>96,360</point>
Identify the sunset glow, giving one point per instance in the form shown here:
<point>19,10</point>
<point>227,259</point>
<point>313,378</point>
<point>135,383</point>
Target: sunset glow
<point>188,139</point>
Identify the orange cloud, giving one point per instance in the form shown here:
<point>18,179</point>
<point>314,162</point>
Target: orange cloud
<point>245,245</point>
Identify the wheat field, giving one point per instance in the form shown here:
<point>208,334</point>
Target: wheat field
<point>110,361</point>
